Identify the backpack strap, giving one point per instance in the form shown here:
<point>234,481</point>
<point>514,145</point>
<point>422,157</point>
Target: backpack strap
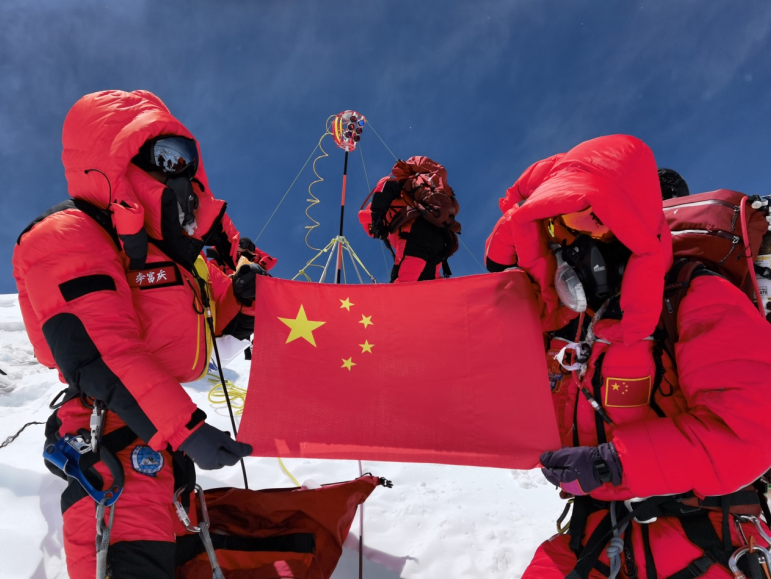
<point>597,380</point>
<point>666,335</point>
<point>676,286</point>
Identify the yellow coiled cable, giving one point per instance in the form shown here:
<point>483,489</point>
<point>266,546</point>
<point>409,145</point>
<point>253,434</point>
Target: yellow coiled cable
<point>237,399</point>
<point>313,199</point>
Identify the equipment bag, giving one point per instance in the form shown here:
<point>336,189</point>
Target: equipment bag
<point>293,533</point>
<point>426,192</point>
<point>722,229</point>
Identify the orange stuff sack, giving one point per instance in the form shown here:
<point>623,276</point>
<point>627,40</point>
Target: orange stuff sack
<point>293,533</point>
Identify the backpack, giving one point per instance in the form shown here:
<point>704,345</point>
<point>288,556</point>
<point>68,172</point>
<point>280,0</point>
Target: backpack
<point>426,192</point>
<point>722,229</point>
<point>715,233</point>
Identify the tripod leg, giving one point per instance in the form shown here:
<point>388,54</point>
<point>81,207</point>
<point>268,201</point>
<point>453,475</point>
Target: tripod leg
<point>329,261</point>
<point>356,257</point>
<point>353,261</point>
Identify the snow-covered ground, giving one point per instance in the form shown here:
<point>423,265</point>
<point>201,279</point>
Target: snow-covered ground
<point>437,521</point>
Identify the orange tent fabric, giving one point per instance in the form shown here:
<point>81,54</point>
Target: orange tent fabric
<point>446,371</point>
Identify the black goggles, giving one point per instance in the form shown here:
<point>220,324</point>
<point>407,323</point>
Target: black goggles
<point>173,155</point>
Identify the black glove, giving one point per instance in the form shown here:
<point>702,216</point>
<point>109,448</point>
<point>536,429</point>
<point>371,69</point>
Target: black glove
<point>243,282</point>
<point>210,448</point>
<point>378,227</point>
<point>582,469</point>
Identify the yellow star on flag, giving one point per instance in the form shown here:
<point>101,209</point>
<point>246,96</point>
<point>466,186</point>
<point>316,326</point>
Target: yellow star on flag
<point>301,327</point>
<point>366,347</point>
<point>615,386</point>
<point>346,304</point>
<point>366,320</point>
<point>349,363</point>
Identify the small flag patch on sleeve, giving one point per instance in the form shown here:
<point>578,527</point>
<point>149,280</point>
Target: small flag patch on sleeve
<point>627,392</point>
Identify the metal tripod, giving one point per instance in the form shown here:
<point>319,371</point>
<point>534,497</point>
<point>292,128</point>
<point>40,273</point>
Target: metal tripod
<point>341,243</point>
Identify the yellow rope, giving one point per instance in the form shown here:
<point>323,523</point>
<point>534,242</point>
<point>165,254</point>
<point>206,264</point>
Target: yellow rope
<point>287,473</point>
<point>315,200</point>
<point>217,395</point>
<point>237,399</point>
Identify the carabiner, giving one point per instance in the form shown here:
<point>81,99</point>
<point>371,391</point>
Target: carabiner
<point>202,528</point>
<point>741,552</point>
<point>561,530</point>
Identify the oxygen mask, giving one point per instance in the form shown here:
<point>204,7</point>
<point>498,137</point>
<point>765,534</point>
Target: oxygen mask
<point>589,271</point>
<point>569,288</point>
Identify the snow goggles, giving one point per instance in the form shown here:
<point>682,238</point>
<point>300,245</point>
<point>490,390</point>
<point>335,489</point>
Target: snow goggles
<point>172,155</point>
<point>587,222</point>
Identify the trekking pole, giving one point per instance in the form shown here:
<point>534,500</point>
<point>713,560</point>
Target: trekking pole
<point>342,214</point>
<point>210,322</point>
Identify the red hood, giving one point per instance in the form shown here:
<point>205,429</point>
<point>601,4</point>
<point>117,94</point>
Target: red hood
<point>617,177</point>
<point>103,131</point>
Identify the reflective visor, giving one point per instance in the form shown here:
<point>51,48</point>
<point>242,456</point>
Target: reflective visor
<point>175,154</point>
<point>587,222</point>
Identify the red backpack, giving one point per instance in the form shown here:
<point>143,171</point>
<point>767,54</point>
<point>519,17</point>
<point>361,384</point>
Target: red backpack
<point>722,229</point>
<point>425,192</point>
<point>718,232</point>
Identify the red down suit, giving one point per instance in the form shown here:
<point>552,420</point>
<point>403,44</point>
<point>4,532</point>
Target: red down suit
<point>704,430</point>
<point>119,330</point>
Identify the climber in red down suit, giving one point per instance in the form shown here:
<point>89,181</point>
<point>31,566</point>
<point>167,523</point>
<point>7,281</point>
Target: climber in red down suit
<point>114,294</point>
<point>662,452</point>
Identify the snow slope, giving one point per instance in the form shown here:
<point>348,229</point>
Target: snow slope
<point>437,521</point>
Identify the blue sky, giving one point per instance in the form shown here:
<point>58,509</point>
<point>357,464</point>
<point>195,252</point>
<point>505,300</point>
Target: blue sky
<point>484,87</point>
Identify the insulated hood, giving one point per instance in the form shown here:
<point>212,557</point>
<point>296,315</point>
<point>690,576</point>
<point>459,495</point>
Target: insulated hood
<point>617,177</point>
<point>102,133</point>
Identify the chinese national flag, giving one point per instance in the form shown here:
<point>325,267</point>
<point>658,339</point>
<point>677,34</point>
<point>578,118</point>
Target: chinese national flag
<point>628,392</point>
<point>446,371</point>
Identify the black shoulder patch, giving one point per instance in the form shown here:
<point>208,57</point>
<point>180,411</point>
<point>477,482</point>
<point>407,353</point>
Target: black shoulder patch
<point>80,286</point>
<point>101,216</point>
<point>63,206</point>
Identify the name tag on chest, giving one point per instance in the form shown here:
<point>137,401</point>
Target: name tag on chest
<point>159,275</point>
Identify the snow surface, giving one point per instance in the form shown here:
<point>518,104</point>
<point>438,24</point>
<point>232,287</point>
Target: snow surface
<point>437,521</point>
